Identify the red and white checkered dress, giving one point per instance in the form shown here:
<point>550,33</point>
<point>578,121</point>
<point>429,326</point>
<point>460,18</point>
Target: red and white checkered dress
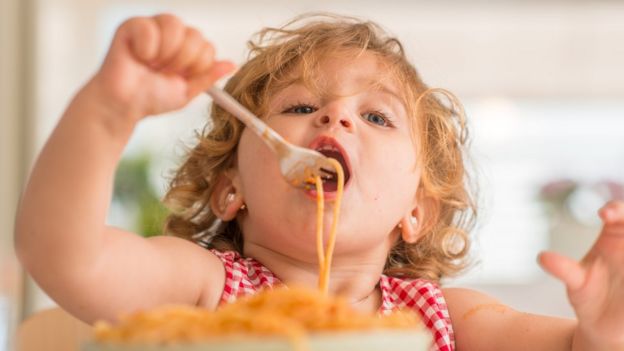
<point>246,276</point>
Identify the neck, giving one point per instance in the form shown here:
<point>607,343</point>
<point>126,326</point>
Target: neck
<point>354,278</point>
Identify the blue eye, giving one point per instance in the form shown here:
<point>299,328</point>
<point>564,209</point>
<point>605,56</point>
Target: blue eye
<point>301,109</point>
<point>376,118</point>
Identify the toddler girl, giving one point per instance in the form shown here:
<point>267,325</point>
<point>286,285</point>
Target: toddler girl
<point>333,84</point>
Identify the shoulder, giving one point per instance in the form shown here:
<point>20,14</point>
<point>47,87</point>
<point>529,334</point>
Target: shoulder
<point>460,299</point>
<point>467,305</point>
<point>200,267</point>
<point>174,248</point>
<point>480,321</point>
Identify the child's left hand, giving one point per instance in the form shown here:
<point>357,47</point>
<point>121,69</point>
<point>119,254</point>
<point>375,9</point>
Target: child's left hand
<point>596,284</point>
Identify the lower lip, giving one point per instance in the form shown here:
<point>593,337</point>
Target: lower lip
<point>327,196</point>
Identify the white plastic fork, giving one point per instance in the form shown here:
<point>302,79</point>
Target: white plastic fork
<point>298,165</point>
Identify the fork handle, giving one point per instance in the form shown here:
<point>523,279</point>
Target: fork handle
<point>228,103</point>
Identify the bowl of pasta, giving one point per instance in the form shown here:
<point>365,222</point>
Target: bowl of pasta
<point>280,319</point>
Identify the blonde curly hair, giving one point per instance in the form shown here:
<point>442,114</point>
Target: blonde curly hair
<point>438,126</point>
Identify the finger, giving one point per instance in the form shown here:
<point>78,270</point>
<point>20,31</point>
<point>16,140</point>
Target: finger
<point>172,34</point>
<point>202,62</point>
<point>612,212</point>
<point>141,36</point>
<point>205,81</point>
<point>188,51</point>
<point>594,291</point>
<point>614,229</point>
<point>570,272</point>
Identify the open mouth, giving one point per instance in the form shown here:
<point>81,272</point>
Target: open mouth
<point>331,149</point>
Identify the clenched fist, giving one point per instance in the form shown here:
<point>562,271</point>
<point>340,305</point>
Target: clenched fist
<point>155,65</point>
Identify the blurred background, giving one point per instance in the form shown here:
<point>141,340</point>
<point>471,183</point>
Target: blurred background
<point>542,83</point>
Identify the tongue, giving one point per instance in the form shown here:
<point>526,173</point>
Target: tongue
<point>330,185</point>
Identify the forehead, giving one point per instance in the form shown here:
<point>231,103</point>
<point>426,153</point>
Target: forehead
<point>343,73</point>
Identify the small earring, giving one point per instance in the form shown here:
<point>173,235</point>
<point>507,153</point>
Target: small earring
<point>243,207</point>
<point>413,222</point>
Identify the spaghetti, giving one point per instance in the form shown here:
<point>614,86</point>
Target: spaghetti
<point>325,260</point>
<point>290,313</point>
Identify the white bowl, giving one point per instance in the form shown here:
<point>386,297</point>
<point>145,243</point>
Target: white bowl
<point>347,341</point>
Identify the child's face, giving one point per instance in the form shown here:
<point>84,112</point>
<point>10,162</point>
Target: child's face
<point>371,125</point>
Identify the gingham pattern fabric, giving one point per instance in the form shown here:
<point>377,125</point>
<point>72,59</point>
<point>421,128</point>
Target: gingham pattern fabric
<point>426,298</point>
<point>246,276</point>
<point>243,276</point>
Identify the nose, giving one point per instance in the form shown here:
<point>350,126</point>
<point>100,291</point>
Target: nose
<point>335,118</point>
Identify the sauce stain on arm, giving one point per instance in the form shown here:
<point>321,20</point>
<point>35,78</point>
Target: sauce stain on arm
<point>494,307</point>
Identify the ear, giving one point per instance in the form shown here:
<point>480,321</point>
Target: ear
<point>410,227</point>
<point>226,198</point>
<point>414,223</point>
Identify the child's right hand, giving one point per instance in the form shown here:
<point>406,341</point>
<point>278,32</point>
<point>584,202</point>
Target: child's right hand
<point>155,65</point>
<point>93,270</point>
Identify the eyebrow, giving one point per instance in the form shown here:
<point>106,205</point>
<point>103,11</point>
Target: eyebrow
<point>382,88</point>
<point>385,90</point>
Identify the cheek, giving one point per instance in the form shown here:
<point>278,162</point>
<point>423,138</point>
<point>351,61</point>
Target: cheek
<point>258,166</point>
<point>406,173</point>
<point>295,130</point>
<point>393,171</point>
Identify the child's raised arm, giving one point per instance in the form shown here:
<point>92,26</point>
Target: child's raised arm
<point>595,289</point>
<point>154,65</point>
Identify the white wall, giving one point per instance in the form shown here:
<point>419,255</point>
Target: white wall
<point>15,144</point>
